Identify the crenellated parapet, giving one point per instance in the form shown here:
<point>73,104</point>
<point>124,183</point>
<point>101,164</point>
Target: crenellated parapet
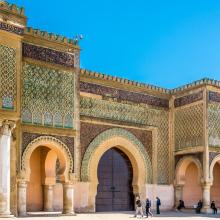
<point>12,8</point>
<point>197,83</point>
<point>189,86</point>
<point>51,37</point>
<point>12,15</point>
<point>128,82</point>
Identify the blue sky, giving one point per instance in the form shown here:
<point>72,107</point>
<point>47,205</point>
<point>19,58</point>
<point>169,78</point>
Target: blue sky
<point>165,43</point>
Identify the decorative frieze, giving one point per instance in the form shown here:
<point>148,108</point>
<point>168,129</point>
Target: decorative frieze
<point>11,28</point>
<point>48,55</point>
<point>185,100</point>
<point>214,96</point>
<point>122,95</point>
<point>118,111</point>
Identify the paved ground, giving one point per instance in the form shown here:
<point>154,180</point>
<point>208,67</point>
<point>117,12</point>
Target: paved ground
<point>127,216</point>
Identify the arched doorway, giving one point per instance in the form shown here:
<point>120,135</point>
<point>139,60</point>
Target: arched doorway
<point>129,145</point>
<point>215,188</point>
<point>44,191</point>
<point>188,181</point>
<point>192,189</point>
<point>115,174</point>
<point>46,180</point>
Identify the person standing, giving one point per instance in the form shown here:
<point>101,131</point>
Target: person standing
<point>158,203</point>
<point>139,208</point>
<point>213,207</point>
<point>148,207</point>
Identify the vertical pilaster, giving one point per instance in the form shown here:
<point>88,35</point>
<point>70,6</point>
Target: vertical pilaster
<point>206,197</point>
<point>178,194</point>
<point>206,177</point>
<point>154,155</point>
<point>5,144</point>
<point>171,141</point>
<point>77,148</point>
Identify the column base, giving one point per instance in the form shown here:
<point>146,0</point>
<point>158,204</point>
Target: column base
<point>6,216</point>
<point>48,210</point>
<point>69,213</point>
<point>206,210</point>
<point>22,215</point>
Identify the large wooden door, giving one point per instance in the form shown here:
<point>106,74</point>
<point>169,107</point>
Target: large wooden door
<point>115,175</point>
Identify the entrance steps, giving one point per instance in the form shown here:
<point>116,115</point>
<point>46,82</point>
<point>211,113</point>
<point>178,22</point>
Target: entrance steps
<point>44,214</point>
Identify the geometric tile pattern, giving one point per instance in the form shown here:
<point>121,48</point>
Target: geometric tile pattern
<point>214,124</point>
<point>7,77</point>
<point>188,127</point>
<point>48,96</point>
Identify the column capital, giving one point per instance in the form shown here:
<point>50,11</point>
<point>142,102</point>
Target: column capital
<point>178,186</point>
<point>49,186</point>
<point>207,184</point>
<point>68,185</point>
<point>72,178</point>
<point>22,183</point>
<point>6,127</point>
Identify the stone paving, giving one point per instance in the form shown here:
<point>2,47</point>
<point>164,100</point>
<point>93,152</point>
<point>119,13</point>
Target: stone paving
<point>127,216</point>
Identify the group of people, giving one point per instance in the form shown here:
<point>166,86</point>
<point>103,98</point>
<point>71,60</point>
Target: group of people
<point>198,206</point>
<point>140,208</point>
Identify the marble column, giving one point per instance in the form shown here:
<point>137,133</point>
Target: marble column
<point>22,198</point>
<point>48,198</point>
<point>178,194</point>
<point>5,143</point>
<point>206,197</point>
<point>68,199</point>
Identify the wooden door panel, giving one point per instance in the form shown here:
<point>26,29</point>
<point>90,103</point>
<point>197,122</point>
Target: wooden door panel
<point>115,175</point>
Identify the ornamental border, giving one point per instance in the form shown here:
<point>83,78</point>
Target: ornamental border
<point>11,28</point>
<point>114,132</point>
<point>52,140</point>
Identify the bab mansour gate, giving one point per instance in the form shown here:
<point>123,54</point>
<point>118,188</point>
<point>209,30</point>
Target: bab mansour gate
<point>74,140</point>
